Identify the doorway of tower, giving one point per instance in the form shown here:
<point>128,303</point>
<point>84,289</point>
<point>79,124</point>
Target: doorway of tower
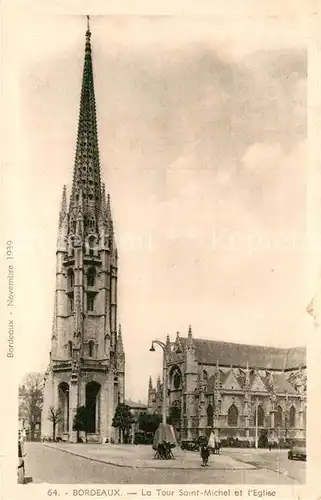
<point>93,409</point>
<point>62,420</point>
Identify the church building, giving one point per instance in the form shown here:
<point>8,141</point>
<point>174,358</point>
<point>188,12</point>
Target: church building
<point>240,391</point>
<point>87,361</point>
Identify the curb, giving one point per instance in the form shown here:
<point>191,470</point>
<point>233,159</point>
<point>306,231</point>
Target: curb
<point>93,459</point>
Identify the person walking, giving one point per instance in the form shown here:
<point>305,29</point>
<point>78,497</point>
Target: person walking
<point>205,453</point>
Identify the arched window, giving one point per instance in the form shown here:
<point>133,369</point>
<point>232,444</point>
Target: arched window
<point>91,222</point>
<point>90,348</point>
<point>91,275</point>
<point>205,375</point>
<point>232,415</point>
<point>177,380</point>
<point>260,416</point>
<point>278,417</point>
<point>91,242</point>
<point>292,416</point>
<point>210,415</point>
<point>90,302</point>
<point>70,349</point>
<point>70,278</point>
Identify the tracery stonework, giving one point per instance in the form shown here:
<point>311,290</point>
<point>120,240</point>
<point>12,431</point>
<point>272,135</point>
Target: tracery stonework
<point>87,361</point>
<point>225,397</point>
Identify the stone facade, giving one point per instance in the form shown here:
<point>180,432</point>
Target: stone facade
<point>87,361</point>
<point>238,390</point>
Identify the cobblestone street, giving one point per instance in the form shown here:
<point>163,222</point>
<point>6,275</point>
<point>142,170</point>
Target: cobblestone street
<point>52,465</point>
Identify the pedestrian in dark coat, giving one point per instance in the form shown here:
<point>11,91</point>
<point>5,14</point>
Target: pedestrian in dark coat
<point>205,453</point>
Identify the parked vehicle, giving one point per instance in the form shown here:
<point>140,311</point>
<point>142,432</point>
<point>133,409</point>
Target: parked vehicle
<point>21,464</point>
<point>190,445</point>
<point>298,451</point>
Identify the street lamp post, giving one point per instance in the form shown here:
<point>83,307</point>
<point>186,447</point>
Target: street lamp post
<point>256,423</point>
<point>163,347</point>
<point>152,349</point>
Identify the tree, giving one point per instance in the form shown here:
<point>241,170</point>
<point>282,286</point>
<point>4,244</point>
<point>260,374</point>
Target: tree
<point>123,419</point>
<point>31,399</point>
<point>55,416</point>
<point>81,421</point>
<point>149,422</point>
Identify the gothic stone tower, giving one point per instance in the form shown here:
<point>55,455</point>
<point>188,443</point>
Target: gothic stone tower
<point>87,358</point>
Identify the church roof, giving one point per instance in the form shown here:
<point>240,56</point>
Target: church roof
<point>260,357</point>
<point>280,382</point>
<point>135,406</point>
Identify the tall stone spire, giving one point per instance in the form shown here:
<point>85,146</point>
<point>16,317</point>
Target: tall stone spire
<point>86,176</point>
<point>85,343</point>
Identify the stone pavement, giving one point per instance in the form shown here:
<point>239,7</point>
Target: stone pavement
<point>141,457</point>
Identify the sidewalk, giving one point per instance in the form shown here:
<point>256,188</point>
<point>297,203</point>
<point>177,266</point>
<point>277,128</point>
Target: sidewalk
<point>141,457</point>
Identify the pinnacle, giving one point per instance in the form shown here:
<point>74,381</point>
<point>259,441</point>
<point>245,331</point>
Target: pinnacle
<point>108,208</point>
<point>103,200</point>
<point>120,347</point>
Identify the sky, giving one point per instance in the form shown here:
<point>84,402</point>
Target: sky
<point>202,134</point>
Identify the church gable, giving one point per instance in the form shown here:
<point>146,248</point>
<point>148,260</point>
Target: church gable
<point>231,382</point>
<point>258,384</point>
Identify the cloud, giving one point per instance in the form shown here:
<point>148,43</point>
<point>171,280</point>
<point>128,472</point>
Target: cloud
<point>260,156</point>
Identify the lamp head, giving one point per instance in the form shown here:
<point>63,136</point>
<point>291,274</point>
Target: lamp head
<point>152,349</point>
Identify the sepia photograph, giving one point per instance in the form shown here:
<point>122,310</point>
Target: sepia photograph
<point>162,334</point>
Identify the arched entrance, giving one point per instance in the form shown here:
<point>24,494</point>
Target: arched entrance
<point>63,404</point>
<point>93,407</point>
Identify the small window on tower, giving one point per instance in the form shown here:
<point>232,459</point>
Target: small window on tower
<point>90,348</point>
<point>70,304</point>
<point>70,278</point>
<point>91,244</point>
<point>90,302</point>
<point>91,275</point>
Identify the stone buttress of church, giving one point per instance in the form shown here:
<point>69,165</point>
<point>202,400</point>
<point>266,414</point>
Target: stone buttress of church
<point>87,361</point>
